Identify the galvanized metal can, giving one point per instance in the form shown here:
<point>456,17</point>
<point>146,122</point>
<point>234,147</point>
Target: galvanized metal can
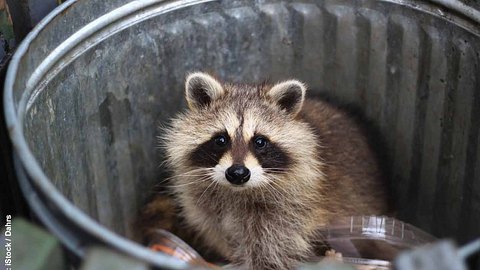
<point>88,87</point>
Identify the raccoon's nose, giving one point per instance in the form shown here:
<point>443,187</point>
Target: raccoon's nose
<point>237,174</point>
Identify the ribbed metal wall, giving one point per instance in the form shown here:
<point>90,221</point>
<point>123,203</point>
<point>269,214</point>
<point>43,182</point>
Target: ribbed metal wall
<point>415,75</point>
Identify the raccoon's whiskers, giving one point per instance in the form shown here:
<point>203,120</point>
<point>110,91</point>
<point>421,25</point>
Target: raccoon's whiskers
<point>280,191</point>
<point>277,195</point>
<point>277,170</point>
<point>270,188</point>
<point>199,199</point>
<point>207,171</point>
<point>291,188</point>
<point>272,181</point>
<point>283,190</point>
<point>273,195</point>
<point>197,170</point>
<point>196,181</point>
<point>262,194</point>
<point>162,164</point>
<point>191,175</point>
<point>200,175</point>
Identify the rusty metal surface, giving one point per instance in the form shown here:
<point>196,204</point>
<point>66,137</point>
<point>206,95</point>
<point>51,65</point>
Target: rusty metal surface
<point>84,102</point>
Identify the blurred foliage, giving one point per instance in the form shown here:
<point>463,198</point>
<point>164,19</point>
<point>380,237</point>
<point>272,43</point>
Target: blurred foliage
<point>7,37</point>
<point>6,26</point>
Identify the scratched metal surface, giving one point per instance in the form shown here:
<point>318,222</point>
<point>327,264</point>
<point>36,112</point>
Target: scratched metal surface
<point>410,66</point>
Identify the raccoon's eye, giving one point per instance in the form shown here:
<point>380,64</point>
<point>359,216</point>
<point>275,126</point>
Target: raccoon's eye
<point>220,140</point>
<point>260,142</point>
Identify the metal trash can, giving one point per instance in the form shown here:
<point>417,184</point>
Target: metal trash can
<point>88,87</point>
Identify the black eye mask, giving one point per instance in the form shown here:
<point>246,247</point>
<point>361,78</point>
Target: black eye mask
<point>209,153</point>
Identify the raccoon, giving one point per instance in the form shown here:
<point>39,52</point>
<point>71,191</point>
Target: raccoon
<point>258,168</point>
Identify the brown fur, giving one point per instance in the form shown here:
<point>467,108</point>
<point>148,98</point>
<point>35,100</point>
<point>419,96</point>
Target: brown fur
<point>355,183</point>
<point>271,223</point>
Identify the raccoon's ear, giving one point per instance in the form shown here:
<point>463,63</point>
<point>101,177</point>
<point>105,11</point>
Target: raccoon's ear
<point>201,89</point>
<point>289,95</point>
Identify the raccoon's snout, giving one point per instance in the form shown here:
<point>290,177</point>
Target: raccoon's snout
<point>237,174</point>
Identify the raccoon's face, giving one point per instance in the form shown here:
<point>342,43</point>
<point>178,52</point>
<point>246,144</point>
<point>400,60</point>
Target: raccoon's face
<point>240,136</point>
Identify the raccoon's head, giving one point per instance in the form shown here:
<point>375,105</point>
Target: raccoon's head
<point>241,136</point>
